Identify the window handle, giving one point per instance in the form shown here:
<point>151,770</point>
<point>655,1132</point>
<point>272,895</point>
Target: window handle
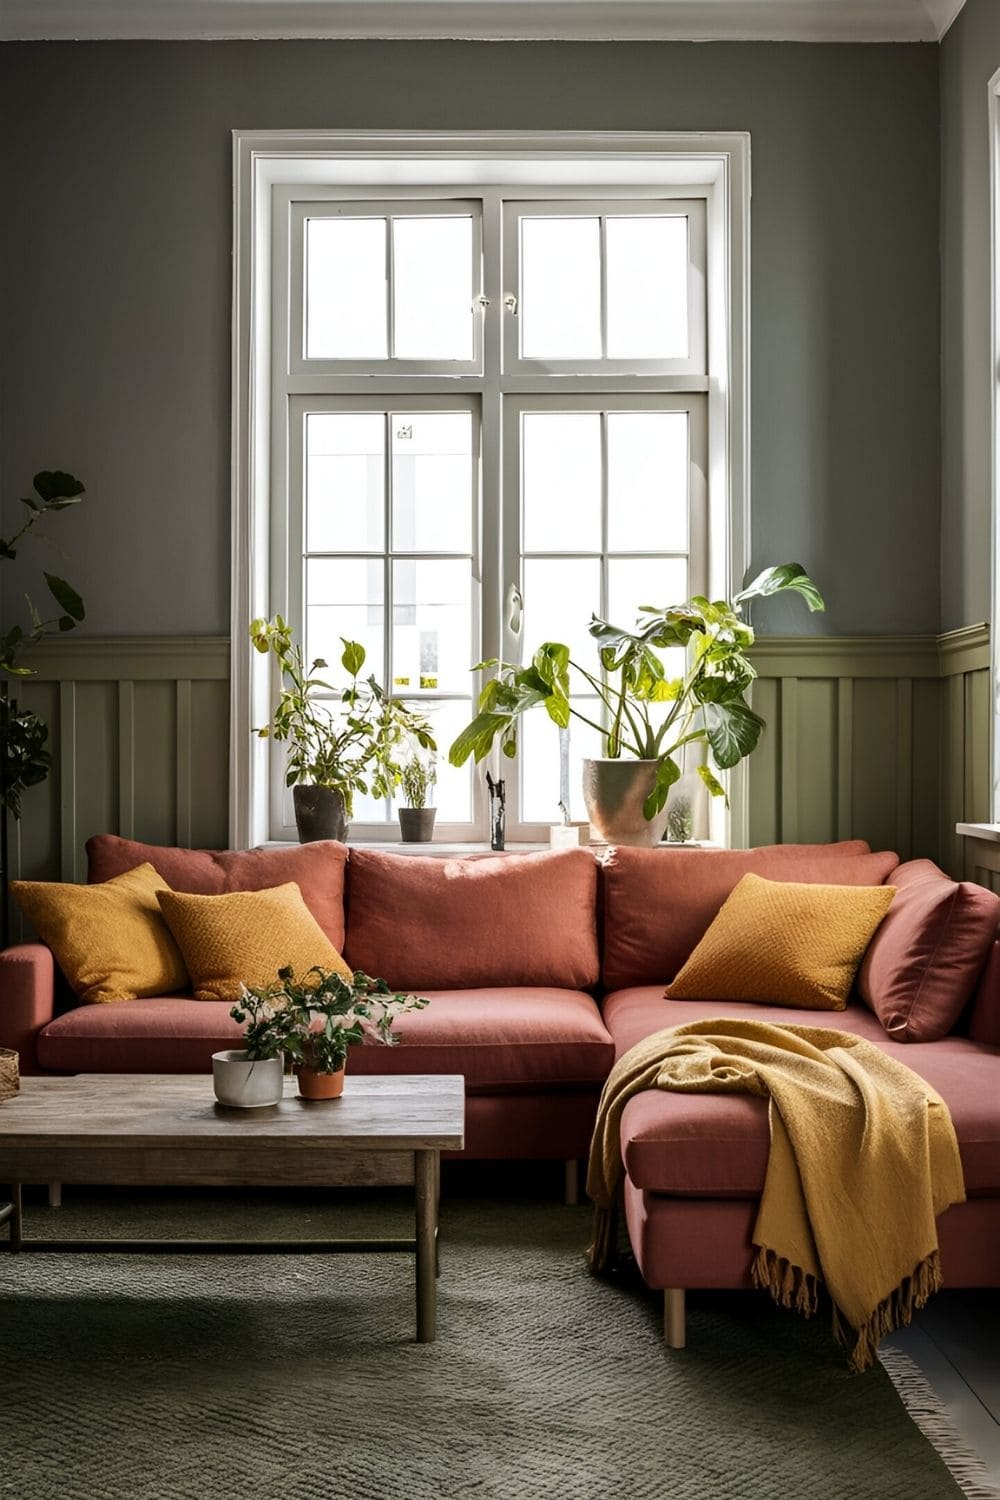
<point>510,303</point>
<point>514,611</point>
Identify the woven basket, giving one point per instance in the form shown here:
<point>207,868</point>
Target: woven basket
<point>10,1081</point>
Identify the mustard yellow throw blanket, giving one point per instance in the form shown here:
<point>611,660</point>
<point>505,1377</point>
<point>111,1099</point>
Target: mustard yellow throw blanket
<point>863,1157</point>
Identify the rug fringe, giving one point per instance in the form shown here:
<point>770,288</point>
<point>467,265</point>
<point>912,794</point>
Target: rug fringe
<point>928,1412</point>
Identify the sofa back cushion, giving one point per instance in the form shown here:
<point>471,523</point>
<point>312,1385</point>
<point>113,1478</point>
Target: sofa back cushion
<point>923,962</point>
<point>421,922</point>
<point>657,904</point>
<point>317,869</point>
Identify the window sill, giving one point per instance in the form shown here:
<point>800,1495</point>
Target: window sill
<point>990,832</point>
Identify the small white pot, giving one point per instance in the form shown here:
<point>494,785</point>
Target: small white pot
<point>242,1084</point>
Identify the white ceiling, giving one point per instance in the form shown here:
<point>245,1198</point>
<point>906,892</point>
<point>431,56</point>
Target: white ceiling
<point>666,20</point>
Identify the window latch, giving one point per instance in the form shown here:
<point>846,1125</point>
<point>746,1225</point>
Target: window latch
<point>510,303</point>
<point>482,302</point>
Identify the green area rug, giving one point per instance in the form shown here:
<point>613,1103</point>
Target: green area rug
<point>247,1378</point>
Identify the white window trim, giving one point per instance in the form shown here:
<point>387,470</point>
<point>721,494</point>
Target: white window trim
<point>377,161</point>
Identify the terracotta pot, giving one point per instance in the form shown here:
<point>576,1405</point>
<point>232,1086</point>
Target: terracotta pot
<point>314,1085</point>
<point>613,793</point>
<point>319,813</point>
<point>416,824</point>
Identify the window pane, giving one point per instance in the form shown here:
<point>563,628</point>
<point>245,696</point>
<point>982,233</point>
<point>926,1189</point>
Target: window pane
<point>560,312</point>
<point>647,277</point>
<point>432,288</point>
<point>432,481</point>
<point>432,648</point>
<point>452,796</point>
<point>345,482</point>
<point>345,597</point>
<point>538,748</point>
<point>561,481</point>
<point>559,598</point>
<point>647,481</point>
<point>345,289</point>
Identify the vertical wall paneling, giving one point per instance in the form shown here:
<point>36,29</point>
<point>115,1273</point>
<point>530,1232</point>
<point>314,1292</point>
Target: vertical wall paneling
<point>845,756</point>
<point>126,758</point>
<point>183,755</point>
<point>789,814</point>
<point>67,779</point>
<point>904,767</point>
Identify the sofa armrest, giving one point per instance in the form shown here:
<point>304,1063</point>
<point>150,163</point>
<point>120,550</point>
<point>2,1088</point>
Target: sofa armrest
<point>27,999</point>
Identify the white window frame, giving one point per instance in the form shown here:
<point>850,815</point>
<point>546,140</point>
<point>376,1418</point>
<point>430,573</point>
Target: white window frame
<point>994,398</point>
<point>268,166</point>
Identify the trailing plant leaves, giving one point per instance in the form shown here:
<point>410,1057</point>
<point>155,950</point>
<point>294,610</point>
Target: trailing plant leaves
<point>57,488</point>
<point>353,658</point>
<point>67,598</point>
<point>712,782</point>
<point>777,579</point>
<point>667,772</point>
<point>733,730</point>
<point>24,761</point>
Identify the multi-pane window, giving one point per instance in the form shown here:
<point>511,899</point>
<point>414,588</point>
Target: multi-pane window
<point>489,421</point>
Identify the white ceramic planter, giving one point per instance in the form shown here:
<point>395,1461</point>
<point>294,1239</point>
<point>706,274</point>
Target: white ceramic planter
<point>613,794</point>
<point>242,1084</point>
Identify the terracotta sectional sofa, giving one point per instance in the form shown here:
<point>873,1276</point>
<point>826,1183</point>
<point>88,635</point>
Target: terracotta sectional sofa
<point>542,969</point>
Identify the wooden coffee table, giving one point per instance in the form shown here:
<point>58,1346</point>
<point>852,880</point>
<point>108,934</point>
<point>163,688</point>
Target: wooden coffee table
<point>167,1131</point>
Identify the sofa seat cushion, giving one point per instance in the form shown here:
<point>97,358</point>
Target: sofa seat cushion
<point>317,869</point>
<point>716,1145</point>
<point>501,1040</point>
<point>475,923</point>
<point>659,903</point>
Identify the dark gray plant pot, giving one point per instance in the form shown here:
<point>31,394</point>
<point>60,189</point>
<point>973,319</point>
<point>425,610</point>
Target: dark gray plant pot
<point>416,824</point>
<point>319,814</point>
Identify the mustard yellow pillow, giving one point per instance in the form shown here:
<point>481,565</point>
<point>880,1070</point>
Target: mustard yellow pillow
<point>784,944</point>
<point>245,937</point>
<point>110,940</point>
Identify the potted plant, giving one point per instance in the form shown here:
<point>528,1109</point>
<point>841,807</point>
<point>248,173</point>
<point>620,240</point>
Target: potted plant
<point>649,718</point>
<point>416,820</point>
<point>340,740</point>
<point>314,1020</point>
<point>253,1075</point>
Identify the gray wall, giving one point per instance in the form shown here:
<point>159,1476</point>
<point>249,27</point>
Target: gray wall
<point>970,55</point>
<point>116,192</point>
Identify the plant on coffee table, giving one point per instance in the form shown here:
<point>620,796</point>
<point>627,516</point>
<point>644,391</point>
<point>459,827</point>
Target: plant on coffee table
<point>314,1020</point>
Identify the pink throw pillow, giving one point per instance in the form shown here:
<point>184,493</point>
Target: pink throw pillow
<point>317,869</point>
<point>426,923</point>
<point>924,960</point>
<point>659,903</point>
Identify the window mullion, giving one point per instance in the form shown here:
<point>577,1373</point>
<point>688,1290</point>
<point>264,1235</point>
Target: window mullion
<point>390,293</point>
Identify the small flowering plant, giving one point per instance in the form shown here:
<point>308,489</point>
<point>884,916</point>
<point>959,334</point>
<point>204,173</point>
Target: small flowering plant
<point>312,1021</point>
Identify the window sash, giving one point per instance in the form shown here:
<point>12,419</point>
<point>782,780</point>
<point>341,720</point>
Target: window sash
<point>298,363</point>
<point>293,524</point>
<point>695,406</point>
<point>693,209</point>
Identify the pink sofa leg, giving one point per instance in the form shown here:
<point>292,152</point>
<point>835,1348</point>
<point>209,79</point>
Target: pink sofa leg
<point>571,1191</point>
<point>55,1195</point>
<point>673,1317</point>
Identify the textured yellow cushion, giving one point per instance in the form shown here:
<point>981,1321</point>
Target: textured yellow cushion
<point>784,944</point>
<point>110,940</point>
<point>245,937</point>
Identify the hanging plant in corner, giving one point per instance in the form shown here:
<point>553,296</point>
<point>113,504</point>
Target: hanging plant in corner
<point>649,718</point>
<point>24,759</point>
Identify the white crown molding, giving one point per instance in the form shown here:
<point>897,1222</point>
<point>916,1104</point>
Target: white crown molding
<point>492,20</point>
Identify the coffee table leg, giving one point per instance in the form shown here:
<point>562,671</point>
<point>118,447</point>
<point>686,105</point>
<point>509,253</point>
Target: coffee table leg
<point>426,1178</point>
<point>16,1218</point>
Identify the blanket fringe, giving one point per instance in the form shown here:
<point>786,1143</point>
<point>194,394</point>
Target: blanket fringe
<point>600,1250</point>
<point>894,1311</point>
<point>789,1285</point>
<point>926,1409</point>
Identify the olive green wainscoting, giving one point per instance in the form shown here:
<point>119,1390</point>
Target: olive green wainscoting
<point>139,738</point>
<point>885,738</point>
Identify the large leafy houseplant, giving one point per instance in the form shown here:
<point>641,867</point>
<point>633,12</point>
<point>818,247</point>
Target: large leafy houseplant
<point>648,715</point>
<point>347,740</point>
<point>312,1021</point>
<point>24,759</point>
